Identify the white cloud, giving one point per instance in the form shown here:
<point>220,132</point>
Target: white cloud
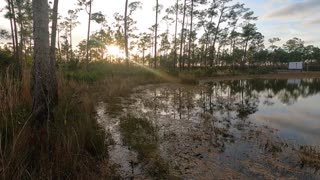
<point>296,10</point>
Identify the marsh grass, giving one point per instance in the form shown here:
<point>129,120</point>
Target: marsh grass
<point>76,143</point>
<point>141,135</point>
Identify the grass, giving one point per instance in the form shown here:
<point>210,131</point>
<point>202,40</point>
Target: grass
<point>99,70</point>
<point>76,142</point>
<point>142,136</point>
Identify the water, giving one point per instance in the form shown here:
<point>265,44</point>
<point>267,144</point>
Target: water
<point>240,129</point>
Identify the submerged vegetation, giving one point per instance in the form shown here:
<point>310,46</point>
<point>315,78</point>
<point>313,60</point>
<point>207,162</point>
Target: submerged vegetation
<point>310,157</point>
<point>142,136</point>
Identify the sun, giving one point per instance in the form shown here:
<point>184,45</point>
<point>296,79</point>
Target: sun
<point>115,51</point>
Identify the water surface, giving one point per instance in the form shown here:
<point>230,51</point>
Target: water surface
<point>236,129</point>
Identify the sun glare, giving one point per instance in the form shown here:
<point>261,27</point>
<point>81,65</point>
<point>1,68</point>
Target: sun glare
<point>115,51</point>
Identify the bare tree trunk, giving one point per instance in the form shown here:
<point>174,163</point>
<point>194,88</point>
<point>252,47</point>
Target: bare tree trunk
<point>42,75</point>
<point>16,39</point>
<point>88,33</point>
<point>182,35</point>
<point>53,50</point>
<point>12,28</point>
<point>185,47</point>
<point>143,57</point>
<point>175,36</point>
<point>59,48</point>
<point>245,53</point>
<point>190,35</point>
<point>15,29</point>
<point>156,35</point>
<point>21,34</point>
<point>216,36</point>
<point>71,49</point>
<point>126,33</point>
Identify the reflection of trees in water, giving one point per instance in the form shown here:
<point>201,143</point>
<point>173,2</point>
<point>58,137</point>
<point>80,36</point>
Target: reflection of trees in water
<point>243,96</point>
<point>217,106</point>
<point>229,97</point>
<point>211,117</point>
<point>237,96</point>
<point>285,92</point>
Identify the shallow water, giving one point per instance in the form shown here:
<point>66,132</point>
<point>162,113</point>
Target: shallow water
<point>235,129</point>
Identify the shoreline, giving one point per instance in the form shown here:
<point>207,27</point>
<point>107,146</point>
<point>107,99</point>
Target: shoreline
<point>279,75</point>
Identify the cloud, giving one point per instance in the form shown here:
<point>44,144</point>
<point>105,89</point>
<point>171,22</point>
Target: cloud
<point>299,9</point>
<point>314,22</point>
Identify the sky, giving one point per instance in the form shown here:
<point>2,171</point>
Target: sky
<point>277,18</point>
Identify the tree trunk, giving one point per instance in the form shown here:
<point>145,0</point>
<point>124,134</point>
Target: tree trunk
<point>12,28</point>
<point>156,35</point>
<point>53,50</point>
<point>126,33</point>
<point>42,73</point>
<point>21,34</point>
<point>245,53</point>
<point>143,57</point>
<point>175,36</point>
<point>182,35</point>
<point>190,35</point>
<point>71,50</point>
<point>88,33</point>
<point>16,39</point>
<point>216,36</point>
<point>59,48</point>
<point>15,29</point>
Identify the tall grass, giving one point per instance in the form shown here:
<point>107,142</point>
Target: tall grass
<point>77,147</point>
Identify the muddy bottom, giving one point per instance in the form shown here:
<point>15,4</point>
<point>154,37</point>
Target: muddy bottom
<point>262,129</point>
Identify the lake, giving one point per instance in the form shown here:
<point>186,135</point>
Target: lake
<point>230,129</point>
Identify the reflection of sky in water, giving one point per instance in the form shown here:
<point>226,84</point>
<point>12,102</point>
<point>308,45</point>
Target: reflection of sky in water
<point>290,106</point>
<point>299,122</point>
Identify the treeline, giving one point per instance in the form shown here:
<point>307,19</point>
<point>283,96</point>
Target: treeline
<point>203,34</point>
